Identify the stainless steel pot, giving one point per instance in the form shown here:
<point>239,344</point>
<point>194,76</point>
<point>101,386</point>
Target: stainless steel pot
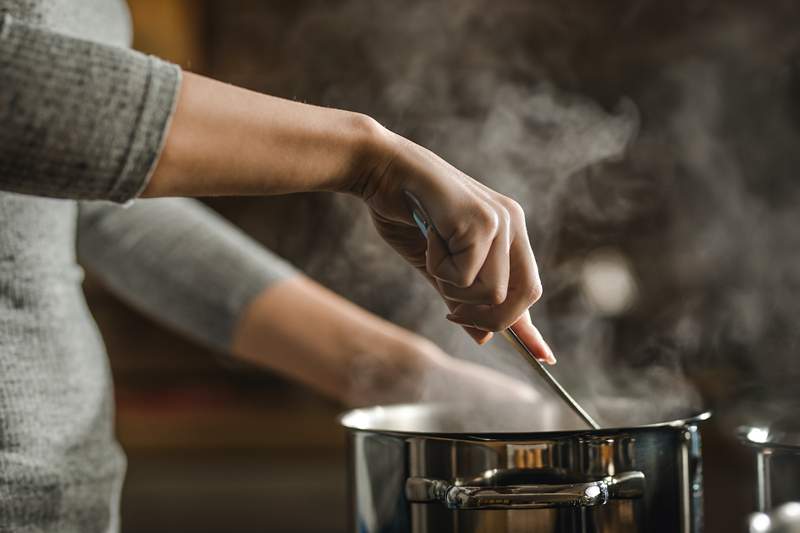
<point>437,468</point>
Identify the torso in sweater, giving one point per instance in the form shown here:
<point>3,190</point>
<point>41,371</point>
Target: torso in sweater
<point>60,468</point>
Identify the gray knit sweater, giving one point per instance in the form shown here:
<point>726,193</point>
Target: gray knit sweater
<point>82,120</point>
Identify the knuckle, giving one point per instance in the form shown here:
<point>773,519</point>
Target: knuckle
<point>461,229</point>
<point>462,280</point>
<point>533,292</point>
<point>515,211</point>
<point>505,219</point>
<point>497,295</point>
<point>487,220</point>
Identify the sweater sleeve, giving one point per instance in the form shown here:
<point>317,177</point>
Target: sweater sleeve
<point>79,119</point>
<point>179,262</point>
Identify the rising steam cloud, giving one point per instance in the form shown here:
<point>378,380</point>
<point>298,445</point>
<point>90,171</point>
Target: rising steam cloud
<point>674,152</point>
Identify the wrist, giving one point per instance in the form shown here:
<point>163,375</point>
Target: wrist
<point>370,152</point>
<point>392,370</point>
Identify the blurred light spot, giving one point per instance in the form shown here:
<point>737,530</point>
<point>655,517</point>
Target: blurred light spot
<point>790,510</point>
<point>489,474</point>
<point>759,523</point>
<point>592,491</point>
<point>758,435</point>
<point>608,283</point>
<point>357,419</point>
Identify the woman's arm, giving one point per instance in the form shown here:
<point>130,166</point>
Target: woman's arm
<point>306,332</point>
<point>87,121</point>
<point>227,140</point>
<point>181,263</point>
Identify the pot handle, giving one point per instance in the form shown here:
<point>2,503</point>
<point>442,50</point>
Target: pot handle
<point>626,485</point>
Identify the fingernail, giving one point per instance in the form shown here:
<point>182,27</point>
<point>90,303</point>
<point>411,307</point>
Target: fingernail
<point>551,358</point>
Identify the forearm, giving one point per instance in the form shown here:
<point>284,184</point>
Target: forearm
<point>309,334</point>
<point>225,140</point>
<point>313,336</point>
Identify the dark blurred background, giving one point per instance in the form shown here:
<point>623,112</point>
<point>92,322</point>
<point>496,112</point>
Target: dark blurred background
<point>655,147</point>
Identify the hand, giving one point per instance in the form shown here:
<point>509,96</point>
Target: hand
<point>419,372</point>
<point>477,255</point>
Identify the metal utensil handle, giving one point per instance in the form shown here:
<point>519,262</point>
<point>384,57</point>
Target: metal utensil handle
<point>511,336</point>
<point>627,485</point>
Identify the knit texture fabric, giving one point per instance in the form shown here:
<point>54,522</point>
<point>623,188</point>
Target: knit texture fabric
<point>84,118</point>
<point>78,119</point>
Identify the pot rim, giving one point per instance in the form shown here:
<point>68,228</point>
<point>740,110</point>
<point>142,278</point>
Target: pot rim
<point>350,421</point>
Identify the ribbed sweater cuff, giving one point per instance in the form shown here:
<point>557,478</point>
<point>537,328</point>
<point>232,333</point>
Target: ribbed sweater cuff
<point>149,135</point>
<point>79,119</point>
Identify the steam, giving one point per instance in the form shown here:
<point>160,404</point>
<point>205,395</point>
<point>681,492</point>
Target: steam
<point>663,219</point>
<point>522,137</point>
